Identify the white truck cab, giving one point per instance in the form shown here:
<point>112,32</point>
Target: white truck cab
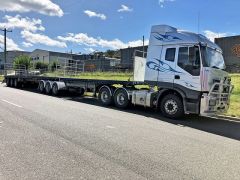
<point>188,70</point>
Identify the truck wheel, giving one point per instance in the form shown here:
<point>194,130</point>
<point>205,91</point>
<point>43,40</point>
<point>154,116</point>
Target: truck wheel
<point>121,98</point>
<point>81,91</point>
<point>55,90</point>
<point>41,87</point>
<point>15,83</point>
<point>105,96</point>
<point>11,82</point>
<point>48,88</point>
<point>172,106</point>
<point>8,82</point>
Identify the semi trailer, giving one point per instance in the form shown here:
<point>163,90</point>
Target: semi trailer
<point>185,73</point>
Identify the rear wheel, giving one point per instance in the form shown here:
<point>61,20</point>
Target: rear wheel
<point>8,83</point>
<point>11,82</point>
<point>15,83</point>
<point>41,87</point>
<point>121,98</point>
<point>55,90</point>
<point>172,106</point>
<point>48,88</point>
<point>81,91</point>
<point>105,96</point>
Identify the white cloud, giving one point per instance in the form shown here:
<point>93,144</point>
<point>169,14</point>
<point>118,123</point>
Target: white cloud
<point>89,50</point>
<point>124,8</point>
<point>27,44</point>
<point>35,38</point>
<point>46,7</point>
<point>162,2</point>
<point>84,39</point>
<point>22,23</point>
<point>11,45</point>
<point>94,14</point>
<point>212,35</point>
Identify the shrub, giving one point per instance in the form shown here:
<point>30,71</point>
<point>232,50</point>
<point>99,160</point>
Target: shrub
<point>22,61</point>
<point>41,65</point>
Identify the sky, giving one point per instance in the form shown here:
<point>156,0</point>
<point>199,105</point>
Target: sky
<point>85,26</point>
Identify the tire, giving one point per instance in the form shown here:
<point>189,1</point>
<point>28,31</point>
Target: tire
<point>81,91</point>
<point>121,98</point>
<point>11,83</point>
<point>48,88</point>
<point>15,83</point>
<point>55,90</point>
<point>172,106</point>
<point>8,82</point>
<point>41,87</point>
<point>105,96</point>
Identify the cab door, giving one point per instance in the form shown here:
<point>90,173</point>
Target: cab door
<point>188,66</point>
<point>167,65</point>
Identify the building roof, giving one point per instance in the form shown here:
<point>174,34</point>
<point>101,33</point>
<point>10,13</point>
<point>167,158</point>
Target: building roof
<point>64,53</point>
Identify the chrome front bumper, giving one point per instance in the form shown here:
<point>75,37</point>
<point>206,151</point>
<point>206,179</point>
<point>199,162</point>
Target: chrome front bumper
<point>217,101</point>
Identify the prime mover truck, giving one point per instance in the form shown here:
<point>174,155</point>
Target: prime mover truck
<point>185,72</point>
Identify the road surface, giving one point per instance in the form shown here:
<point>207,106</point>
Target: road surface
<point>44,137</point>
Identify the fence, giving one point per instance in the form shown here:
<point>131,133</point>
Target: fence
<point>10,69</point>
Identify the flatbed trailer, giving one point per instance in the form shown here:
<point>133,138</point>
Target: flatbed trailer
<point>108,91</point>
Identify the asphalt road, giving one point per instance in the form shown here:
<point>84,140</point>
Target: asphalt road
<point>44,137</point>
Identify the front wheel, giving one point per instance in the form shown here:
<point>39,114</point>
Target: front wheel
<point>172,106</point>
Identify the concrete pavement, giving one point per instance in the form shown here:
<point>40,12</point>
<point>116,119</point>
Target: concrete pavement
<point>44,137</point>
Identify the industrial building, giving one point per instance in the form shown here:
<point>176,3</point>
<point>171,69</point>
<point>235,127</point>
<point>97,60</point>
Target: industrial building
<point>50,56</point>
<point>97,62</point>
<point>127,56</point>
<point>231,52</point>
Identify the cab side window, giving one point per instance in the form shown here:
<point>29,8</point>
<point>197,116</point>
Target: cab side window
<point>189,60</point>
<point>170,54</point>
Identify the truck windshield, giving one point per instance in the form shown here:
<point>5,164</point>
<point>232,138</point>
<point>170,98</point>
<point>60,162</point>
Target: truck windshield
<point>212,58</point>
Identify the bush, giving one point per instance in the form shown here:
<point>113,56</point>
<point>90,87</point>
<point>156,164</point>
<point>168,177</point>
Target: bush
<point>41,65</point>
<point>22,61</point>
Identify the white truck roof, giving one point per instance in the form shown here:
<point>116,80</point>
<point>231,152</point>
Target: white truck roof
<point>165,35</point>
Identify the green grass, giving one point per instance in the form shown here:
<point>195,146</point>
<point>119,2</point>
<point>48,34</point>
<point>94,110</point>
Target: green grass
<point>120,76</point>
<point>234,109</point>
<point>1,78</point>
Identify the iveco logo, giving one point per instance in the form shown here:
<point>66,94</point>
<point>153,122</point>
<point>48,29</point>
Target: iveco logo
<point>236,50</point>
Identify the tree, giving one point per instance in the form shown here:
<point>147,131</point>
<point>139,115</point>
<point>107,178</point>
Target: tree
<point>109,53</point>
<point>22,61</point>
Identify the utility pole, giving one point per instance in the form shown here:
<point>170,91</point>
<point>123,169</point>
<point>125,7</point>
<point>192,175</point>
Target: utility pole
<point>5,44</point>
<point>143,47</point>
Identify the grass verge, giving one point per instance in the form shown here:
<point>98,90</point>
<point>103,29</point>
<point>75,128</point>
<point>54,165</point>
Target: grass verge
<point>118,76</point>
<point>234,109</point>
<point>1,78</point>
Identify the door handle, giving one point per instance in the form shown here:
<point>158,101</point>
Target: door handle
<point>177,77</point>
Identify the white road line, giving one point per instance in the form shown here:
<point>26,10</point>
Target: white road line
<point>11,103</point>
<point>110,127</point>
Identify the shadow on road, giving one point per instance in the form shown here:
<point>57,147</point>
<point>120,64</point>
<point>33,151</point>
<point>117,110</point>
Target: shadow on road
<point>219,126</point>
<point>223,127</point>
